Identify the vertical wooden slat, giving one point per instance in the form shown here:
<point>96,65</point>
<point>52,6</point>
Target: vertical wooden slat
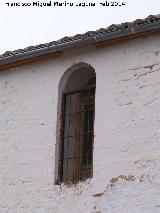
<point>65,169</point>
<point>66,144</point>
<point>73,106</point>
<point>67,104</point>
<point>71,147</point>
<point>70,169</point>
<point>66,125</point>
<point>72,125</point>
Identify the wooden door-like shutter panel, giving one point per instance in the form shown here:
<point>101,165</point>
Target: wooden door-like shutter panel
<point>78,135</point>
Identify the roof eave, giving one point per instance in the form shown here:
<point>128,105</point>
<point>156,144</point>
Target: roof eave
<point>99,38</point>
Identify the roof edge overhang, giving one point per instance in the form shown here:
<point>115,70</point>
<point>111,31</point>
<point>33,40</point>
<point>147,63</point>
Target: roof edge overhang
<point>94,40</point>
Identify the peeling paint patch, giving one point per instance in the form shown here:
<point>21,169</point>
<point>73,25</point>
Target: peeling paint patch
<point>114,180</point>
<point>122,177</point>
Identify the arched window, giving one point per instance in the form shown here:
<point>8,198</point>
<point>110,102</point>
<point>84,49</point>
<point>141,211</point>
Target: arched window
<point>77,125</point>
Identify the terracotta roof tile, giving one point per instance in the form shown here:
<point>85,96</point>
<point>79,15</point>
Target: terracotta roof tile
<point>102,31</point>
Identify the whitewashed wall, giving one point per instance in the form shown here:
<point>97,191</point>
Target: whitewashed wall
<point>127,135</point>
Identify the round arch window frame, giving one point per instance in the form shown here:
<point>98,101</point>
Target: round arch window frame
<point>60,109</point>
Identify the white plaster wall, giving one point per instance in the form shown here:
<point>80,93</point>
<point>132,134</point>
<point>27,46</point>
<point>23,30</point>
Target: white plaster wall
<point>127,135</point>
